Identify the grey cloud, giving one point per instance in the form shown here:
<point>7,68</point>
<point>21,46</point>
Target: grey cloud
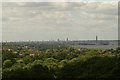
<point>53,20</point>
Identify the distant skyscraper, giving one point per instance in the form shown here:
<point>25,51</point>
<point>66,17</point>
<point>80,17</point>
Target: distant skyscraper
<point>58,40</point>
<point>67,39</point>
<point>96,38</point>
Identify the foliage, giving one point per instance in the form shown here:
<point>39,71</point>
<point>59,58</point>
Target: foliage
<point>7,63</point>
<point>58,62</point>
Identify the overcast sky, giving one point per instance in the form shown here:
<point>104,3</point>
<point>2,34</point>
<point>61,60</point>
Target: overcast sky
<point>53,20</point>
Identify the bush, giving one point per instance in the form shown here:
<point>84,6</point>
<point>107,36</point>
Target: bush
<point>7,63</point>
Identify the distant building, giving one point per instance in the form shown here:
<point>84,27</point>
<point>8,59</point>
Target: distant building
<point>96,40</point>
<point>67,39</point>
<point>58,40</point>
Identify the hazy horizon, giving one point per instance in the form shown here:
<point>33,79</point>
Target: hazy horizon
<point>37,21</point>
<point>62,40</point>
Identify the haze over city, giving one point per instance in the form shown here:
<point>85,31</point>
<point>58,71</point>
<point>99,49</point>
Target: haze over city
<point>36,21</point>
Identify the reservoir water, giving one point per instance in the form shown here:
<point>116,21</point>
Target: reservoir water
<point>97,46</point>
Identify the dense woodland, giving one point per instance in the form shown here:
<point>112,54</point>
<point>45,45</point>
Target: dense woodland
<point>58,61</point>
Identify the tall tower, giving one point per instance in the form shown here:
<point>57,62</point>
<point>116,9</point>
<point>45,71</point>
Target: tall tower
<point>96,39</point>
<point>67,39</point>
<point>58,40</point>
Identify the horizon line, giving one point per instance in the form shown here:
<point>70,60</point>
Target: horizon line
<point>62,40</point>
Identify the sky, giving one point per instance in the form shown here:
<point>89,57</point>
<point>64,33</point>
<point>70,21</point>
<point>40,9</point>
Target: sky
<point>36,21</point>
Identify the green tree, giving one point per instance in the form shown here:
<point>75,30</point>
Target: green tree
<point>7,63</point>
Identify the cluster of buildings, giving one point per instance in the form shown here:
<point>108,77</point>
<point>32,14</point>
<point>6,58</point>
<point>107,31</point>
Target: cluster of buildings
<point>90,42</point>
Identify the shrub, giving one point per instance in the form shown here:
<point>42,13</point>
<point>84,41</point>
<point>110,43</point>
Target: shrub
<point>7,63</point>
